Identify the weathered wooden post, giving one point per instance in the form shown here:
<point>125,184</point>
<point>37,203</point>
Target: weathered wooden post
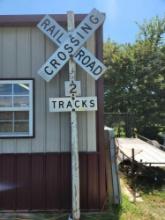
<point>133,174</point>
<point>74,138</point>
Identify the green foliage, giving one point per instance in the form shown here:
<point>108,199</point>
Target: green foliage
<point>152,31</point>
<point>135,79</point>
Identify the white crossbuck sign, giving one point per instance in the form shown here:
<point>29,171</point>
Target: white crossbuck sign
<point>70,45</point>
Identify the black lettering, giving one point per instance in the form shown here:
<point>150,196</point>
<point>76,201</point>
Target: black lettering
<point>67,47</point>
<point>47,71</point>
<point>80,54</point>
<point>58,39</point>
<point>73,87</point>
<point>51,29</point>
<point>54,104</point>
<point>92,103</point>
<point>56,33</point>
<point>54,63</point>
<point>93,19</point>
<point>86,60</point>
<point>84,103</point>
<point>86,28</point>
<point>61,104</point>
<point>61,55</point>
<point>74,41</point>
<point>80,35</point>
<point>69,104</point>
<point>76,102</point>
<point>91,65</point>
<point>45,23</point>
<point>97,70</point>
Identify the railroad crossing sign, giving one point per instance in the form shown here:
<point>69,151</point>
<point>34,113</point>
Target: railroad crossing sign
<point>70,45</point>
<point>70,49</point>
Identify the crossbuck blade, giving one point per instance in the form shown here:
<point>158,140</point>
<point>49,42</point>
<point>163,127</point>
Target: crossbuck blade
<point>70,44</point>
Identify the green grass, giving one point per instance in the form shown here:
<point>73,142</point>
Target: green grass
<point>152,208</point>
<point>126,211</point>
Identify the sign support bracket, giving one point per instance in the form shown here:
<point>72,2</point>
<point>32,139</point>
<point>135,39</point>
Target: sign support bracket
<point>74,135</point>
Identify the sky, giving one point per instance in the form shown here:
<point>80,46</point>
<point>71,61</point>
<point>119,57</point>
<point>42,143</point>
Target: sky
<point>121,15</point>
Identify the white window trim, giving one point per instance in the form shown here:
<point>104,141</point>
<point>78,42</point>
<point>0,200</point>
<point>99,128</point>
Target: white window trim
<point>29,109</point>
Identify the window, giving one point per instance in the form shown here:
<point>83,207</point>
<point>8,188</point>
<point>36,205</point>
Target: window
<point>16,108</point>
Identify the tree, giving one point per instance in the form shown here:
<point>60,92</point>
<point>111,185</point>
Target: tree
<point>134,81</point>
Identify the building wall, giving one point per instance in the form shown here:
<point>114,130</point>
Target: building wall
<point>23,50</point>
<point>39,168</point>
<point>43,182</point>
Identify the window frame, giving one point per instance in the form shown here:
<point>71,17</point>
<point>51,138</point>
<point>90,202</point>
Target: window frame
<point>30,108</point>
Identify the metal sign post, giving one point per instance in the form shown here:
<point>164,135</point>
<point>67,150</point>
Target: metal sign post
<point>70,49</point>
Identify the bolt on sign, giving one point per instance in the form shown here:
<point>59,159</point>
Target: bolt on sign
<point>71,49</point>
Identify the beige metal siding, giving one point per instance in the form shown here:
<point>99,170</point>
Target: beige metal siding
<point>38,58</point>
<point>23,56</point>
<point>23,50</point>
<point>91,116</point>
<point>8,69</point>
<point>53,120</point>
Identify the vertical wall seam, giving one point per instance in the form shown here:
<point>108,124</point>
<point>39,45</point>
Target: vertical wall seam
<point>30,33</point>
<point>45,101</point>
<point>30,169</point>
<point>16,72</point>
<point>1,69</point>
<point>16,180</point>
<point>45,182</point>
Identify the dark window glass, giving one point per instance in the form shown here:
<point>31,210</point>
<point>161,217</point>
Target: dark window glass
<point>5,89</point>
<point>6,126</point>
<point>21,116</point>
<point>21,101</point>
<point>21,89</point>
<point>5,101</point>
<point>6,115</point>
<point>21,127</point>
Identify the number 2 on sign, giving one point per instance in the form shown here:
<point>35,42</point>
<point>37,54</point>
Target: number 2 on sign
<point>72,88</point>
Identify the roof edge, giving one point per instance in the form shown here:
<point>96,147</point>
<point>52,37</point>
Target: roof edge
<point>32,20</point>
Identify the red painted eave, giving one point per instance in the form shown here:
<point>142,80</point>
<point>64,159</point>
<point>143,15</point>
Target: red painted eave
<point>32,20</point>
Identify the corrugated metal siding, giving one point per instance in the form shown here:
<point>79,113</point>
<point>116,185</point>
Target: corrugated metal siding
<point>43,181</point>
<point>22,52</point>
